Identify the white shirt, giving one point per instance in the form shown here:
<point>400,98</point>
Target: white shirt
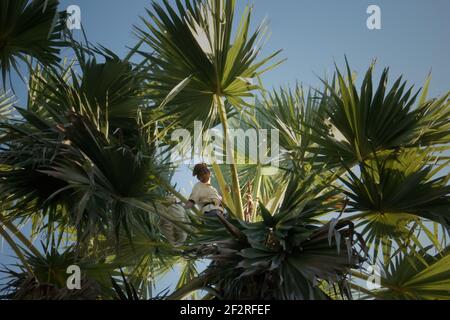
<point>204,193</point>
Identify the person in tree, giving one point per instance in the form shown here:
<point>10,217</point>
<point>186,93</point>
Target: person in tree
<point>204,195</point>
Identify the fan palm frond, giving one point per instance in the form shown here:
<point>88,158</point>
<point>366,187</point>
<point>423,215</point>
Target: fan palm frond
<point>29,28</point>
<point>416,275</point>
<point>376,120</point>
<point>6,103</point>
<point>196,43</point>
<point>48,280</point>
<point>403,185</point>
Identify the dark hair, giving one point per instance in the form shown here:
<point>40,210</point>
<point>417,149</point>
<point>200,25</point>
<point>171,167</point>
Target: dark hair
<point>200,169</point>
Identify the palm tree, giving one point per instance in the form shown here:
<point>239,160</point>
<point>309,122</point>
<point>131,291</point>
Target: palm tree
<point>361,180</point>
<point>413,275</point>
<point>29,29</point>
<point>194,48</point>
<point>81,161</point>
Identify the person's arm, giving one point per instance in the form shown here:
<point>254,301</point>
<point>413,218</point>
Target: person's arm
<point>193,198</point>
<point>190,204</point>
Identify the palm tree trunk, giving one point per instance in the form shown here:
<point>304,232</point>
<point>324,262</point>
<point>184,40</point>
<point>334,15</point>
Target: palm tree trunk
<point>16,232</point>
<point>257,191</point>
<point>230,154</point>
<point>224,190</point>
<point>16,249</point>
<point>193,285</point>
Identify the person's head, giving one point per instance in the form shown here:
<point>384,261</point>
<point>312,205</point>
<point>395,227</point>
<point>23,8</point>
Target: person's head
<point>202,172</point>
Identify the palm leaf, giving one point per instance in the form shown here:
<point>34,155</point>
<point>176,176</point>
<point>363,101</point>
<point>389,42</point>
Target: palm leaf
<point>405,185</point>
<point>30,28</point>
<point>376,120</point>
<point>416,275</point>
<point>196,43</point>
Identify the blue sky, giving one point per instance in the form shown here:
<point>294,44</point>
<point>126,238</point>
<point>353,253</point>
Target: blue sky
<point>313,34</point>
